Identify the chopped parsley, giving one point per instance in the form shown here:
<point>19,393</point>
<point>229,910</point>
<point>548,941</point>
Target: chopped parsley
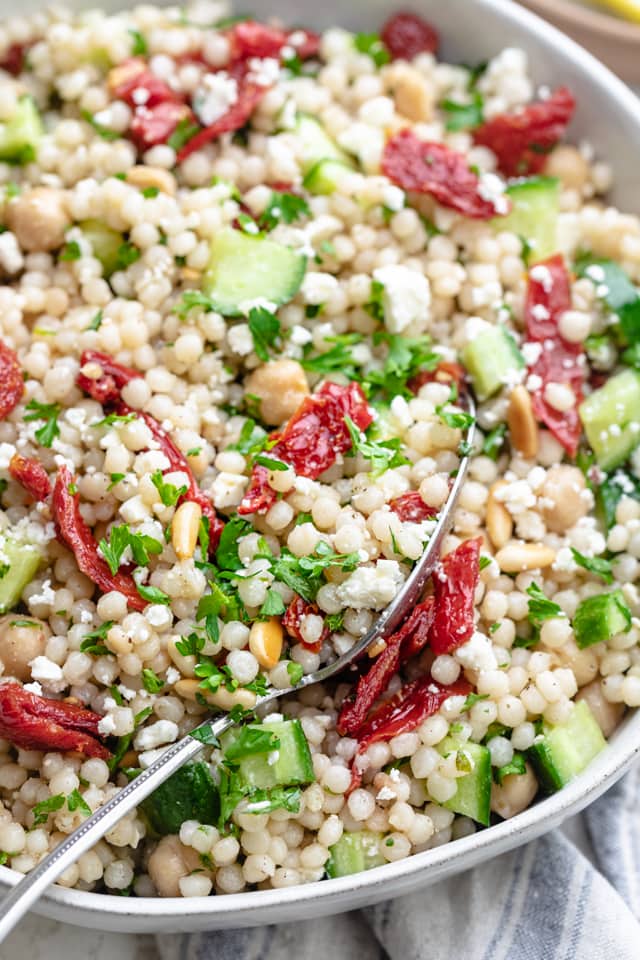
<point>169,493</point>
<point>139,47</point>
<point>338,359</point>
<point>252,739</point>
<point>152,594</point>
<point>96,323</point>
<point>384,454</point>
<point>113,419</point>
<point>70,251</point>
<point>600,566</point>
<point>464,116</point>
<point>101,130</point>
<point>151,681</point>
<point>494,441</point>
<point>94,642</point>
<point>191,300</point>
<point>126,254</point>
<point>472,699</point>
<point>42,810</point>
<point>184,131</point>
<point>295,672</point>
<point>265,330</point>
<point>121,537</point>
<point>515,765</point>
<point>457,420</point>
<point>274,605</point>
<point>540,607</point>
<point>406,357</point>
<point>49,412</point>
<point>305,575</point>
<point>372,45</point>
<point>283,208</point>
<point>75,801</point>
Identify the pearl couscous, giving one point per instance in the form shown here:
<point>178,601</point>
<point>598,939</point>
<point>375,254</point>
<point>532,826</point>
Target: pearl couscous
<point>248,273</point>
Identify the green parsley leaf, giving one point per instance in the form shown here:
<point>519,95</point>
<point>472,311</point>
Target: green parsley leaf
<point>191,300</point>
<point>251,740</point>
<point>383,455</point>
<point>600,566</point>
<point>516,765</point>
<point>458,420</point>
<point>277,798</point>
<point>372,45</point>
<point>227,557</point>
<point>464,116</point>
<point>205,734</point>
<point>274,605</point>
<point>91,642</point>
<point>151,681</point>
<point>115,480</point>
<point>284,208</point>
<point>375,306</point>
<point>305,575</point>
<point>169,493</point>
<point>494,441</point>
<point>113,549</point>
<point>265,330</point>
<point>70,251</point>
<point>335,621</point>
<point>184,131</point>
<point>406,357</point>
<point>113,419</point>
<point>49,412</point>
<point>150,192</point>
<point>126,255</point>
<point>472,699</point>
<point>42,810</point>
<point>96,323</point>
<point>295,672</point>
<point>139,46</point>
<point>540,607</point>
<point>615,288</point>
<point>152,594</point>
<point>101,130</point>
<point>271,464</point>
<point>484,562</point>
<point>248,225</point>
<point>191,645</point>
<point>4,856</point>
<point>75,801</point>
<point>251,440</point>
<point>338,359</point>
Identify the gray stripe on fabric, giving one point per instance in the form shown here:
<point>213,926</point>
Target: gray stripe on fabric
<point>576,932</point>
<point>506,912</point>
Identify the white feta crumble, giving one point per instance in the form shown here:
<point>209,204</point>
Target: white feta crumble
<point>11,259</point>
<point>531,351</point>
<point>172,676</point>
<point>517,496</point>
<point>46,596</point>
<point>533,383</point>
<point>300,336</point>
<point>228,489</point>
<point>386,793</point>
<point>542,275</point>
<point>371,587</point>
<point>258,303</point>
<point>317,288</point>
<point>406,298</point>
<point>393,198</point>
<point>158,733</point>
<point>240,340</point>
<point>147,757</point>
<point>564,561</point>
<point>33,688</point>
<point>7,450</point>
<point>264,72</point>
<point>491,188</point>
<point>215,95</point>
<point>477,653</point>
<point>401,412</point>
<point>158,615</point>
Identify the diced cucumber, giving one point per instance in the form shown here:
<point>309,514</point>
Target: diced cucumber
<point>534,215</point>
<point>317,144</point>
<point>105,243</point>
<point>289,764</point>
<point>325,176</point>
<point>243,269</point>
<point>491,358</point>
<point>20,135</point>
<point>20,562</point>
<point>189,794</point>
<point>601,618</point>
<point>564,751</point>
<point>473,794</point>
<point>611,419</point>
<point>355,852</point>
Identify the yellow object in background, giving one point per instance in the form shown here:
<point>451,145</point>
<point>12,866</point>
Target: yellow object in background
<point>628,9</point>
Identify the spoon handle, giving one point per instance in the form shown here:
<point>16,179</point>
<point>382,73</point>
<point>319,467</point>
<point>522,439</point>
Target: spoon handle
<point>30,888</point>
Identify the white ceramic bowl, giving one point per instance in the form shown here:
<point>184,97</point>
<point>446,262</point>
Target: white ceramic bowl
<point>609,115</point>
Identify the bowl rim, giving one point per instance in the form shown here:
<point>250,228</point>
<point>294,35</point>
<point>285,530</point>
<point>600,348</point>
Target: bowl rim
<point>247,908</point>
<point>587,18</point>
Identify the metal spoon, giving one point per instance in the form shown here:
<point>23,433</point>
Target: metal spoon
<point>29,889</point>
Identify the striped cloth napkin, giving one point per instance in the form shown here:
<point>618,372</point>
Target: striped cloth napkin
<point>574,894</point>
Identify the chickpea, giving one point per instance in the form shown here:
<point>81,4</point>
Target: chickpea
<point>607,715</point>
<point>281,386</point>
<point>584,663</point>
<point>19,644</point>
<point>515,794</point>
<point>564,490</point>
<point>568,164</point>
<point>38,218</point>
<point>169,863</point>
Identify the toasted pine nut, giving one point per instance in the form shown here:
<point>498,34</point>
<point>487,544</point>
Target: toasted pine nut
<point>408,87</point>
<point>523,428</point>
<point>184,529</point>
<point>189,274</point>
<point>516,557</point>
<point>265,642</point>
<point>376,648</point>
<point>143,177</point>
<point>223,699</point>
<point>499,520</point>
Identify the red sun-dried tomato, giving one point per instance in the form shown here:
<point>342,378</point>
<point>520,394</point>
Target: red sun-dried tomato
<point>107,386</point>
<point>522,140</point>
<point>411,508</point>
<point>133,82</point>
<point>72,528</point>
<point>548,296</point>
<point>151,126</point>
<point>291,621</point>
<point>454,586</point>
<point>249,96</point>
<point>312,439</point>
<point>403,713</point>
<point>39,723</point>
<point>11,382</point>
<point>31,475</point>
<point>445,372</point>
<point>403,644</point>
<point>12,59</point>
<point>405,35</point>
<point>252,39</point>
<point>433,168</point>
<point>306,43</point>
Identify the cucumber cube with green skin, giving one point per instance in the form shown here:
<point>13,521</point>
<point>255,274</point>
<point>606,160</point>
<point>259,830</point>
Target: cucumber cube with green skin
<point>20,134</point>
<point>611,419</point>
<point>491,359</point>
<point>473,790</point>
<point>105,243</point>
<point>600,618</point>
<point>325,176</point>
<point>355,852</point>
<point>245,269</point>
<point>317,144</point>
<point>534,215</point>
<point>565,750</point>
<point>19,564</point>
<point>189,794</point>
<point>289,764</point>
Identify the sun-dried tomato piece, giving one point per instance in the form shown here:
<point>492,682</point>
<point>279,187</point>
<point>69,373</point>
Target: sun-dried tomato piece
<point>13,59</point>
<point>249,96</point>
<point>445,372</point>
<point>31,475</point>
<point>306,43</point>
<point>405,35</point>
<point>522,140</point>
<point>105,387</point>
<point>133,82</point>
<point>403,644</point>
<point>151,126</point>
<point>312,439</point>
<point>11,382</point>
<point>72,528</point>
<point>411,508</point>
<point>548,296</point>
<point>403,713</point>
<point>39,723</point>
<point>291,621</point>
<point>252,39</point>
<point>454,586</point>
<point>420,166</point>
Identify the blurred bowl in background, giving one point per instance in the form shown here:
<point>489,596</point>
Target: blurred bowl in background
<point>616,42</point>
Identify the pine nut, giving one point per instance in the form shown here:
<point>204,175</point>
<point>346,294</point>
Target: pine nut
<point>517,557</point>
<point>376,648</point>
<point>143,177</point>
<point>265,642</point>
<point>184,529</point>
<point>499,521</point>
<point>223,699</point>
<point>523,429</point>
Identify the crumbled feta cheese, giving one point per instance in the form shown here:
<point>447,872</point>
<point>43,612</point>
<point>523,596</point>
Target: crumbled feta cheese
<point>371,587</point>
<point>11,259</point>
<point>163,731</point>
<point>47,672</point>
<point>300,335</point>
<point>317,288</point>
<point>228,489</point>
<point>134,510</point>
<point>172,676</point>
<point>531,352</point>
<point>46,596</point>
<point>406,298</point>
<point>106,725</point>
<point>7,450</point>
<point>542,275</point>
<point>240,340</point>
<point>264,72</point>
<point>491,188</point>
<point>158,615</point>
<point>401,412</point>
<point>477,653</point>
<point>393,198</point>
<point>33,688</point>
<point>517,496</point>
<point>215,95</point>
